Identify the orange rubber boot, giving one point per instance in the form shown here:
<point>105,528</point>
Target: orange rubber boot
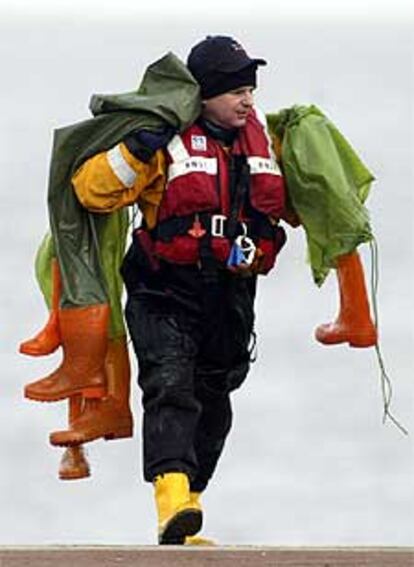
<point>73,465</point>
<point>110,417</point>
<point>84,333</point>
<point>48,339</point>
<point>353,324</point>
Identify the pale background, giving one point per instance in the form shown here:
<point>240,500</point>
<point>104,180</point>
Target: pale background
<point>308,461</point>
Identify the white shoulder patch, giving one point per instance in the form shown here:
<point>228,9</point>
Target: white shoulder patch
<point>199,143</point>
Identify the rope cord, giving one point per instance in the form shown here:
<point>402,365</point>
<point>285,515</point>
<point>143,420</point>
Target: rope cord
<point>386,384</point>
<point>134,214</point>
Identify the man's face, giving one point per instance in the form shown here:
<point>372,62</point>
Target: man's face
<point>229,110</point>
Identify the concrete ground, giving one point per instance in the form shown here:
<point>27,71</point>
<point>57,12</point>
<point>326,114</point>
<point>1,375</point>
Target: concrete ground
<point>205,557</point>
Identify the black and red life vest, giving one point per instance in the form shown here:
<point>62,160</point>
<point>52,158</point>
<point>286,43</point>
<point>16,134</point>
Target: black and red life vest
<point>199,197</point>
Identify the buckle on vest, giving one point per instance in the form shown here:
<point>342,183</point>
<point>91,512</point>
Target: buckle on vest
<point>197,230</point>
<point>217,225</point>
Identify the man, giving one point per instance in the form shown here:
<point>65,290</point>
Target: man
<point>211,199</point>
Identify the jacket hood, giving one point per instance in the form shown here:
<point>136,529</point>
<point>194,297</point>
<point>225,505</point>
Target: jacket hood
<point>167,90</point>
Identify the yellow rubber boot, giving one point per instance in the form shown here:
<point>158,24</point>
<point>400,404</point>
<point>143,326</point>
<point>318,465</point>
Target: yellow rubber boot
<point>198,540</point>
<point>178,516</point>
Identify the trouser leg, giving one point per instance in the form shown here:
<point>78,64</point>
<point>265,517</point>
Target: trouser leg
<point>214,426</point>
<point>189,363</point>
<point>222,366</point>
<point>213,389</point>
<point>166,353</point>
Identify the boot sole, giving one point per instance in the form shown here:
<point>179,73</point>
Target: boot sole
<point>67,441</point>
<point>92,392</point>
<point>355,342</point>
<point>37,352</point>
<point>75,475</point>
<point>362,344</point>
<point>119,434</point>
<point>186,523</point>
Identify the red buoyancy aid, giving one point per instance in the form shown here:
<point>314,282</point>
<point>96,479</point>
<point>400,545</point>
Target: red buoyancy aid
<point>198,184</point>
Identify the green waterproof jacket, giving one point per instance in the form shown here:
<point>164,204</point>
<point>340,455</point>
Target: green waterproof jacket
<point>90,246</point>
<point>327,184</point>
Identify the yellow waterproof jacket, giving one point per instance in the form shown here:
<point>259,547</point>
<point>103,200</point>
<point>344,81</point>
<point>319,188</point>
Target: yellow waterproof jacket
<point>114,179</point>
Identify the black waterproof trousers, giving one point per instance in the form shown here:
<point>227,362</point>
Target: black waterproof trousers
<point>192,336</point>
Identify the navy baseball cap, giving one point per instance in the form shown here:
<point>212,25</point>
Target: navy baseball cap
<point>220,63</point>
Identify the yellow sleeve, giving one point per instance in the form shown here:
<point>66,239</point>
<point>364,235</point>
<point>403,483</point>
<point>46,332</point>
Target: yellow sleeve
<point>115,178</point>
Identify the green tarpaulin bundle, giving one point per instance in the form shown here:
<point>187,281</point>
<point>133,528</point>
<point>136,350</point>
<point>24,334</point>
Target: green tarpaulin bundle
<point>327,185</point>
<point>90,246</point>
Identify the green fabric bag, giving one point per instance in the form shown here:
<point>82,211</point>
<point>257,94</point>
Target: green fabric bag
<point>327,184</point>
<point>90,246</point>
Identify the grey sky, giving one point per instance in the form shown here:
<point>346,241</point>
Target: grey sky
<point>308,459</point>
<point>315,10</point>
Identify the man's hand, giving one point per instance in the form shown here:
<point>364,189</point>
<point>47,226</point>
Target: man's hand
<point>246,270</point>
<point>144,143</point>
<point>291,217</point>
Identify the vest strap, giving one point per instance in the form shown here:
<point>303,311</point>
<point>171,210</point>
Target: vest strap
<point>215,225</point>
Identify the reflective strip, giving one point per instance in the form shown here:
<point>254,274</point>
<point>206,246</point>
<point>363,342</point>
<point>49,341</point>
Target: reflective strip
<point>121,167</point>
<point>263,165</point>
<point>261,117</point>
<point>177,150</point>
<point>196,164</point>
